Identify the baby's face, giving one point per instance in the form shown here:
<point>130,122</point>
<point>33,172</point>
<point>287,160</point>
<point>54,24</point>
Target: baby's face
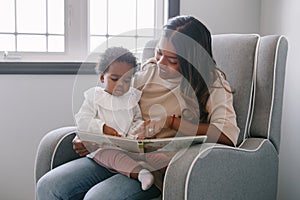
<point>117,78</point>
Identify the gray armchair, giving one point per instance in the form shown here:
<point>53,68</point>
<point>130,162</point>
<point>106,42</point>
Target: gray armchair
<point>255,68</point>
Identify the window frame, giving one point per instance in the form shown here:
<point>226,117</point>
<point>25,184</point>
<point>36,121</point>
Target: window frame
<point>71,59</point>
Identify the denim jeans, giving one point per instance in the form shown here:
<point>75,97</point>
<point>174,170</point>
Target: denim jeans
<point>85,179</point>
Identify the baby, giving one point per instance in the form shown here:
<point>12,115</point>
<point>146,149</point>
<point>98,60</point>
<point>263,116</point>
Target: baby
<point>113,110</point>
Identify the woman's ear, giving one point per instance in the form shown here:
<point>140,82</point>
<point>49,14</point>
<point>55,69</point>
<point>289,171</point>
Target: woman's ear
<point>102,78</point>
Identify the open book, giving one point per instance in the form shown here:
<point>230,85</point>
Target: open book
<point>142,146</point>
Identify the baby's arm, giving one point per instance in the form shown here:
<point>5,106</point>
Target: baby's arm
<point>86,118</point>
<point>107,130</point>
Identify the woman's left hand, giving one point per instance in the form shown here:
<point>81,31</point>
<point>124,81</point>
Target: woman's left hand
<point>150,128</point>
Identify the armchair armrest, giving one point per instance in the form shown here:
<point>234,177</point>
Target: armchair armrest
<point>54,149</point>
<point>213,171</point>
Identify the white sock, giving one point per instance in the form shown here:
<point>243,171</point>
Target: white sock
<point>146,178</point>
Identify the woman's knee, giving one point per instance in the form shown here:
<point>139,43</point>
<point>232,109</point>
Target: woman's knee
<point>45,188</point>
<point>119,187</point>
<point>55,187</point>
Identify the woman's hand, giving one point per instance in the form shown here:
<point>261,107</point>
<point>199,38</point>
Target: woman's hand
<point>107,130</point>
<point>150,128</point>
<point>83,148</point>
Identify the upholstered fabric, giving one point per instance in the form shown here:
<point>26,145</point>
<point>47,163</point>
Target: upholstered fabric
<point>54,149</point>
<point>149,50</point>
<point>243,172</point>
<point>270,76</point>
<point>221,172</point>
<point>236,55</point>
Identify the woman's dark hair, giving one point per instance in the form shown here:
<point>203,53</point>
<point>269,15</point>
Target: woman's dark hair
<point>192,42</point>
<point>115,54</point>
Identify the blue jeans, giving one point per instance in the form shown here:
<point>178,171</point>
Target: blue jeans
<point>85,179</point>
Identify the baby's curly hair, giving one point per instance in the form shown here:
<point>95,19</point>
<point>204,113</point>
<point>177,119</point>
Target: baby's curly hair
<point>115,54</point>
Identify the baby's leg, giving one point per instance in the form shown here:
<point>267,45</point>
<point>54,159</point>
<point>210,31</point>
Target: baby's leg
<point>117,160</point>
<point>121,162</point>
<point>159,160</point>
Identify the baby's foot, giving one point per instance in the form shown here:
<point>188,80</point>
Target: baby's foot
<point>146,178</point>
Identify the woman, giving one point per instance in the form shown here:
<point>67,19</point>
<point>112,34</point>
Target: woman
<point>182,87</point>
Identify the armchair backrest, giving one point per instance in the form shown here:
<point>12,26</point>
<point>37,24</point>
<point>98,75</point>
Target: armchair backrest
<point>236,56</point>
<point>270,75</point>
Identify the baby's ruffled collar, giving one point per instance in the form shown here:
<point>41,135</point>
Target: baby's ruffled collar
<point>127,101</point>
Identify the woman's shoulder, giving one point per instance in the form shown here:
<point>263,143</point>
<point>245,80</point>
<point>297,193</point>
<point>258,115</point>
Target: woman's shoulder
<point>150,63</point>
<point>220,81</point>
<point>219,91</point>
<point>147,72</point>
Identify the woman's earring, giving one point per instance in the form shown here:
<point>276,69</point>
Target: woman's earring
<point>99,83</point>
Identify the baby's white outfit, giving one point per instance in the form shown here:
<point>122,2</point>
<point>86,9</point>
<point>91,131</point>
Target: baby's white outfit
<point>119,112</point>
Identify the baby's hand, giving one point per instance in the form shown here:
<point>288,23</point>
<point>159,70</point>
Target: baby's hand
<point>107,130</point>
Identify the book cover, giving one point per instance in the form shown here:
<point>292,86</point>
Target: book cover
<point>142,146</point>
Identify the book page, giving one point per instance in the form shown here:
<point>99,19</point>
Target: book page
<point>107,140</point>
<point>172,144</point>
<point>141,146</point>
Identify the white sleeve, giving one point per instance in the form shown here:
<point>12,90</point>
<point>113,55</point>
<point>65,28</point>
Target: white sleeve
<point>86,118</point>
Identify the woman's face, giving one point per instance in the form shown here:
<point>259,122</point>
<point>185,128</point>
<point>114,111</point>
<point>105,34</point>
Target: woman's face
<point>167,60</point>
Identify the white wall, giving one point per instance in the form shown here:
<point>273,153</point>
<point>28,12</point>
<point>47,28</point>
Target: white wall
<point>225,16</point>
<point>31,105</point>
<point>280,17</point>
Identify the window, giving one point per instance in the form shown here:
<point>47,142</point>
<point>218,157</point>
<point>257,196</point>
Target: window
<point>69,30</point>
<point>66,31</point>
<point>135,24</point>
<point>27,29</point>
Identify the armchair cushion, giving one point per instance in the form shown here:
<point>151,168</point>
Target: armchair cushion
<point>54,149</point>
<point>220,172</point>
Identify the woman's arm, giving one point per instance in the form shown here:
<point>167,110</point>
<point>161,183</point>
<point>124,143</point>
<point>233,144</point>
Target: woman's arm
<point>188,129</point>
<point>185,128</point>
<point>136,123</point>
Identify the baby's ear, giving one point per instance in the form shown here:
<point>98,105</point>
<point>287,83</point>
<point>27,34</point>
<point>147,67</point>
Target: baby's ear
<point>101,78</point>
